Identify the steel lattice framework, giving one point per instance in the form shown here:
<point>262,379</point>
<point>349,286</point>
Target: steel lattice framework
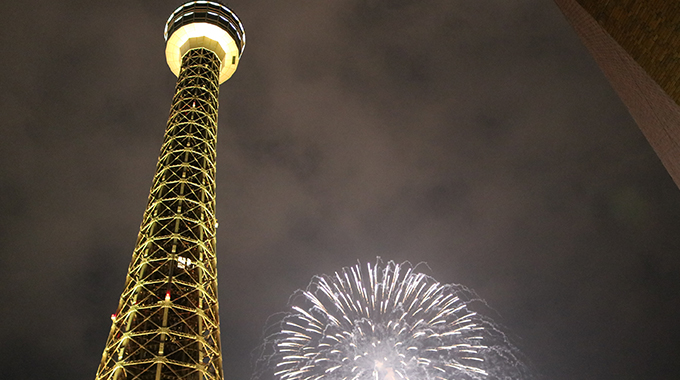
<point>167,322</point>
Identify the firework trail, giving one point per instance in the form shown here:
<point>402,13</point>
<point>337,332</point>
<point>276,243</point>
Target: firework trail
<point>385,322</point>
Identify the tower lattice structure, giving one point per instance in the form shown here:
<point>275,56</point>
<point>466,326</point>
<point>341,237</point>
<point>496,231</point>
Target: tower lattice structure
<point>167,322</point>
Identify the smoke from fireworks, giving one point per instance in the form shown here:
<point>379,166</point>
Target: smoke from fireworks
<point>385,322</point>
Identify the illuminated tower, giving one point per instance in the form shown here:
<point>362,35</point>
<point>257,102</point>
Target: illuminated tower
<point>637,45</point>
<point>167,323</point>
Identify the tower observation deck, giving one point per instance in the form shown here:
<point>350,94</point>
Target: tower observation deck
<point>167,322</point>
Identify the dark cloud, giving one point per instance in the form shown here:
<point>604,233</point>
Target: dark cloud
<point>477,136</point>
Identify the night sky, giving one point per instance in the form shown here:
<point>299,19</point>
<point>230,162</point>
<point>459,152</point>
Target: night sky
<point>477,136</point>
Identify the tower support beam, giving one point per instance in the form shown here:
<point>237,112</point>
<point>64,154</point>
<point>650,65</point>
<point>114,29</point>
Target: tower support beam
<point>167,323</point>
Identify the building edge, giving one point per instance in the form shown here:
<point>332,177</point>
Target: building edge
<point>655,112</point>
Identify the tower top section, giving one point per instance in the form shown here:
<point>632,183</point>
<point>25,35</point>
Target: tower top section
<point>209,25</point>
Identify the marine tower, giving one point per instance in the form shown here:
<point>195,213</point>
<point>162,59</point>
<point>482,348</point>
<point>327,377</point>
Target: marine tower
<point>167,322</point>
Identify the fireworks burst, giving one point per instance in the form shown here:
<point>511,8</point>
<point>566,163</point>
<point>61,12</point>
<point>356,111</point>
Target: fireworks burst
<point>382,323</point>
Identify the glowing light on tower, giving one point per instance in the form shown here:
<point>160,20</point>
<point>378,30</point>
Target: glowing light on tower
<point>167,322</point>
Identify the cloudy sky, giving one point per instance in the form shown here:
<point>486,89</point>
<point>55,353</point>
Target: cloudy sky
<point>475,135</point>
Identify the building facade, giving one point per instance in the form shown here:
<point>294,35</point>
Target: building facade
<point>636,43</point>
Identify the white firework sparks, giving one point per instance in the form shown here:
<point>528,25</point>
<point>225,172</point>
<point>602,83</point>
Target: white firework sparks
<point>380,322</point>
